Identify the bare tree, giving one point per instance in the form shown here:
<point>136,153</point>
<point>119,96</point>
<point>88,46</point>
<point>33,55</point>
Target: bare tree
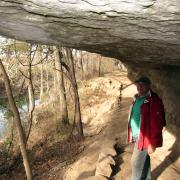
<point>61,87</point>
<point>41,86</point>
<point>77,101</point>
<point>31,55</point>
<point>43,67</point>
<point>81,64</point>
<point>18,123</point>
<point>47,79</point>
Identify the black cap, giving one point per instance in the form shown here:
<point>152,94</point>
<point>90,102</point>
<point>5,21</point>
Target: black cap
<point>144,80</point>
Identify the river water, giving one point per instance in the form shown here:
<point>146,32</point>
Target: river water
<point>2,125</point>
<point>3,121</point>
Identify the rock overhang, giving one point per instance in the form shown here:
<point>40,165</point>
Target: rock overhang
<point>138,31</point>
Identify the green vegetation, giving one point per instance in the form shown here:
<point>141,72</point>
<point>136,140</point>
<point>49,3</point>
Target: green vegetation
<point>4,105</point>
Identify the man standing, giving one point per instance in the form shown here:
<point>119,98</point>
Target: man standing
<point>146,121</point>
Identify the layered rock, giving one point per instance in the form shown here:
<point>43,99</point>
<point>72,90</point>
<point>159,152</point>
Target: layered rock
<point>130,30</point>
<point>144,34</point>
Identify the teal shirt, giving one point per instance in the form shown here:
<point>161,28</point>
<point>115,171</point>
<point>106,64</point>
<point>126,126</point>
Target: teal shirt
<point>136,116</point>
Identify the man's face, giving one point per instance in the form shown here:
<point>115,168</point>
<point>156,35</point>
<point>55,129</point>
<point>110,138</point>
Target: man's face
<point>142,88</point>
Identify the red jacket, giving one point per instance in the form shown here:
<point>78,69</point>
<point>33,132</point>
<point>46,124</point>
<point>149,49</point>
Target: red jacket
<point>152,122</point>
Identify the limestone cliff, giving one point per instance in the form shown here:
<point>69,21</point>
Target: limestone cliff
<point>131,30</point>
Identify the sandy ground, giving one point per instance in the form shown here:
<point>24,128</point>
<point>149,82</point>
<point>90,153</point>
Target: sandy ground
<point>105,125</point>
<point>112,126</point>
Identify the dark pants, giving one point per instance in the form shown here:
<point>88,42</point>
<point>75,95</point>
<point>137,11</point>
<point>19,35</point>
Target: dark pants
<point>141,166</point>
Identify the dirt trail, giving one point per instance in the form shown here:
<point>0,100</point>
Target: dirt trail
<point>112,131</point>
<point>163,167</point>
<point>105,122</point>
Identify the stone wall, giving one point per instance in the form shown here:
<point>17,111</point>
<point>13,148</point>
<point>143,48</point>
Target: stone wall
<point>165,81</point>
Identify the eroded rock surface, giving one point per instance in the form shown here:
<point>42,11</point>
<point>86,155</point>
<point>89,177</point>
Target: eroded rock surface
<point>131,30</point>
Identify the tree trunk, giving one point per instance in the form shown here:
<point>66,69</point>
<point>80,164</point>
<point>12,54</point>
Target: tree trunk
<point>54,77</point>
<point>81,65</point>
<point>47,80</point>
<point>18,123</point>
<point>31,97</point>
<point>42,86</point>
<point>61,87</point>
<point>77,102</point>
<point>86,65</point>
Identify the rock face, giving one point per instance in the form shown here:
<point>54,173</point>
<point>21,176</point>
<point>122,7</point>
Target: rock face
<point>166,82</point>
<point>130,30</point>
<point>144,34</point>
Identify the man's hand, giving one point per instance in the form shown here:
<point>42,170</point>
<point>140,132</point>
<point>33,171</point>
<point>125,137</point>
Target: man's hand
<point>151,149</point>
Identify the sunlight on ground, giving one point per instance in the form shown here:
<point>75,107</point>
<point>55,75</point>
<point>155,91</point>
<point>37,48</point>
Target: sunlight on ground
<point>168,141</point>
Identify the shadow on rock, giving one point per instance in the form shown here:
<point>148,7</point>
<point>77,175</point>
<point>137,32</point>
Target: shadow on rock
<point>170,159</point>
<point>118,159</point>
<point>86,174</point>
